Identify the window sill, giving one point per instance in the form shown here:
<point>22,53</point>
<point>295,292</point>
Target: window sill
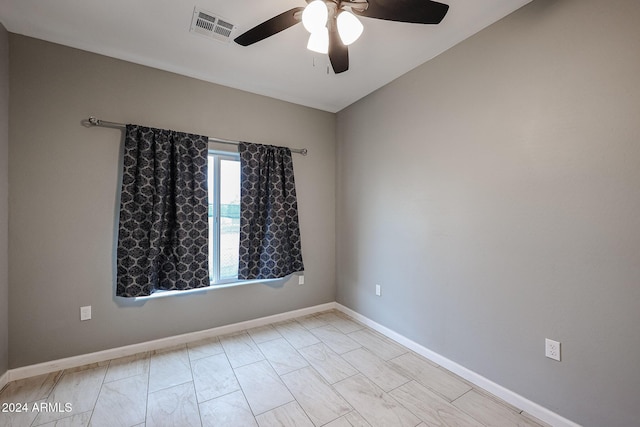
<point>212,287</point>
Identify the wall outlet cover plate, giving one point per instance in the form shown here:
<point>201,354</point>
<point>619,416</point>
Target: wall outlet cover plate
<point>552,349</point>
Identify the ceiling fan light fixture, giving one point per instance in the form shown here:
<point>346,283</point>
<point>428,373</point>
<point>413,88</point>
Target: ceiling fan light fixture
<point>319,41</point>
<point>333,25</point>
<point>315,15</point>
<point>349,27</point>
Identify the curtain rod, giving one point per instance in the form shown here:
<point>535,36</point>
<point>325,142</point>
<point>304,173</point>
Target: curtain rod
<point>93,121</point>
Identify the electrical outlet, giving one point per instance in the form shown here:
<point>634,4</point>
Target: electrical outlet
<point>552,349</point>
<point>85,313</point>
<point>378,290</point>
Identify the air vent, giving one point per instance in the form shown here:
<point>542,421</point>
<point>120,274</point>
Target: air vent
<point>211,26</point>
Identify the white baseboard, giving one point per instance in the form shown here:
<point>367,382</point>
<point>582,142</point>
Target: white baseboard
<point>129,350</point>
<point>503,393</point>
<point>4,380</point>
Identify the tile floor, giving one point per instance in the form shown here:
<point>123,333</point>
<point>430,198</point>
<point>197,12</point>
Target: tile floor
<point>320,370</point>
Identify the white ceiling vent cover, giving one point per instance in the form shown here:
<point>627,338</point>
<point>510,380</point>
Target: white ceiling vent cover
<point>211,26</point>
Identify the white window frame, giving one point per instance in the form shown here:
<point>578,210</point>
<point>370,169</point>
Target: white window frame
<point>214,233</point>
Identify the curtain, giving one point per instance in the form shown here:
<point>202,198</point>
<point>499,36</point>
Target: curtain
<point>270,244</point>
<point>163,229</point>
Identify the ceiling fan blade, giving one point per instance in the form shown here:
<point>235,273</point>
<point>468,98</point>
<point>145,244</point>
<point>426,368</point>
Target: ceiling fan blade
<point>413,11</point>
<point>270,27</point>
<point>338,52</point>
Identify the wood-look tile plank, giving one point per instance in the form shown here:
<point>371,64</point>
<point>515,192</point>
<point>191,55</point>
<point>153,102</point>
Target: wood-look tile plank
<point>437,379</point>
<point>77,420</point>
<point>297,335</point>
<point>86,367</point>
<point>264,333</point>
<point>340,422</point>
<point>490,412</point>
<point>328,363</point>
<point>130,366</point>
<point>356,420</point>
<point>289,415</point>
<point>378,344</point>
<point>204,348</point>
<point>341,321</point>
<point>121,403</point>
<point>328,316</point>
<point>20,418</point>
<point>79,388</point>
<point>169,368</point>
<point>431,408</point>
<point>376,406</point>
<point>311,321</point>
<point>174,406</point>
<point>496,398</point>
<point>262,387</point>
<point>282,356</point>
<point>213,377</point>
<point>240,349</point>
<point>229,410</point>
<point>352,419</point>
<point>30,389</point>
<point>318,399</point>
<point>336,340</point>
<point>345,324</point>
<point>383,374</point>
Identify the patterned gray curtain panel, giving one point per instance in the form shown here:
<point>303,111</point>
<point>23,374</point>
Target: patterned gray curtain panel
<point>270,244</point>
<point>163,231</point>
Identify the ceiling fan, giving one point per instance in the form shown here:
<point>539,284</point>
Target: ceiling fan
<point>333,24</point>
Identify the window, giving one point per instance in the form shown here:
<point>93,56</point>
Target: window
<point>224,216</point>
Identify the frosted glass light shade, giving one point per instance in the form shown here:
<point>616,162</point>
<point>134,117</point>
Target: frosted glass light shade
<point>315,16</point>
<point>319,41</point>
<point>349,27</point>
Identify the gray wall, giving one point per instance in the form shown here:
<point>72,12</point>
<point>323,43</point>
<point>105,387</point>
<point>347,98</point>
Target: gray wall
<point>4,199</point>
<point>64,180</point>
<point>494,195</point>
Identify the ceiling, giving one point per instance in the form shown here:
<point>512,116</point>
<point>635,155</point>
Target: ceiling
<point>156,33</point>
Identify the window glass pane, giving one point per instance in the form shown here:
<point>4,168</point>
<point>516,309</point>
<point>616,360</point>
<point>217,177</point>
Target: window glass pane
<point>210,183</point>
<point>229,218</point>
